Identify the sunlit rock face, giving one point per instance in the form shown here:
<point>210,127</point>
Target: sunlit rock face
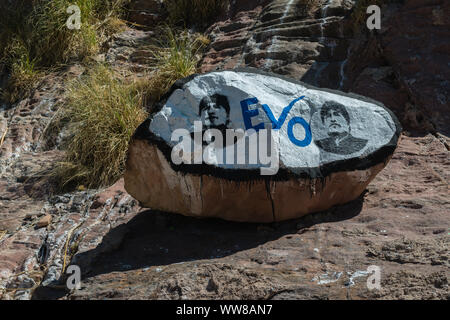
<point>289,37</point>
<point>249,146</point>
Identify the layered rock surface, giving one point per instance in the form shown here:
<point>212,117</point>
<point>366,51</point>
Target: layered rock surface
<point>128,252</point>
<point>301,39</point>
<point>317,161</point>
<point>400,223</point>
<point>404,65</point>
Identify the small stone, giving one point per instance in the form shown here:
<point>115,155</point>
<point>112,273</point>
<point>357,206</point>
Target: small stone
<point>212,285</point>
<point>437,231</point>
<point>44,221</point>
<point>30,215</point>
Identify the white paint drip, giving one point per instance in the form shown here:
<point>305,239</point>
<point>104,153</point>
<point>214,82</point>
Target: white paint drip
<point>341,70</point>
<point>251,43</point>
<point>323,15</point>
<point>355,275</point>
<point>327,278</point>
<point>332,45</point>
<point>285,13</point>
<point>322,22</point>
<point>269,62</point>
<point>322,40</point>
<point>323,11</point>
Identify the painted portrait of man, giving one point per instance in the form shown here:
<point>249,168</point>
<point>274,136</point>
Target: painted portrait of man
<point>215,111</point>
<point>336,121</point>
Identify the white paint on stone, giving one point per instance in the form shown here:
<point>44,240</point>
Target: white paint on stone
<point>368,121</point>
<point>356,274</point>
<point>269,61</point>
<point>327,278</point>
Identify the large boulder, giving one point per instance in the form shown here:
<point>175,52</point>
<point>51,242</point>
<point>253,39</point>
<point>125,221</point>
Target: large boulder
<point>244,145</point>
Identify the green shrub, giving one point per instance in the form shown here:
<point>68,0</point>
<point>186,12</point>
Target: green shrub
<point>23,73</point>
<point>103,111</point>
<point>34,36</point>
<point>176,56</point>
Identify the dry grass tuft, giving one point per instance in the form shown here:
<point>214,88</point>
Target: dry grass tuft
<point>104,111</point>
<point>177,56</point>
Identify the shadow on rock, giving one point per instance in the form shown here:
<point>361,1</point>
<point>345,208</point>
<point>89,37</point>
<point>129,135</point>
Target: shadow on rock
<point>154,238</point>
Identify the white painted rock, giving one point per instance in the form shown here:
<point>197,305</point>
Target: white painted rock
<point>298,150</point>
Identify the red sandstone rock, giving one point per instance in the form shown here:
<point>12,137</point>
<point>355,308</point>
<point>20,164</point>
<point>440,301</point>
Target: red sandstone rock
<point>401,225</point>
<point>44,221</point>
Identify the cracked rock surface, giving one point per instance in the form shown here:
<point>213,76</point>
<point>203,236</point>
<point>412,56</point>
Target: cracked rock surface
<point>400,224</point>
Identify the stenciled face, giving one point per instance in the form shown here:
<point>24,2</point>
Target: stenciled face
<point>336,123</point>
<point>213,115</point>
